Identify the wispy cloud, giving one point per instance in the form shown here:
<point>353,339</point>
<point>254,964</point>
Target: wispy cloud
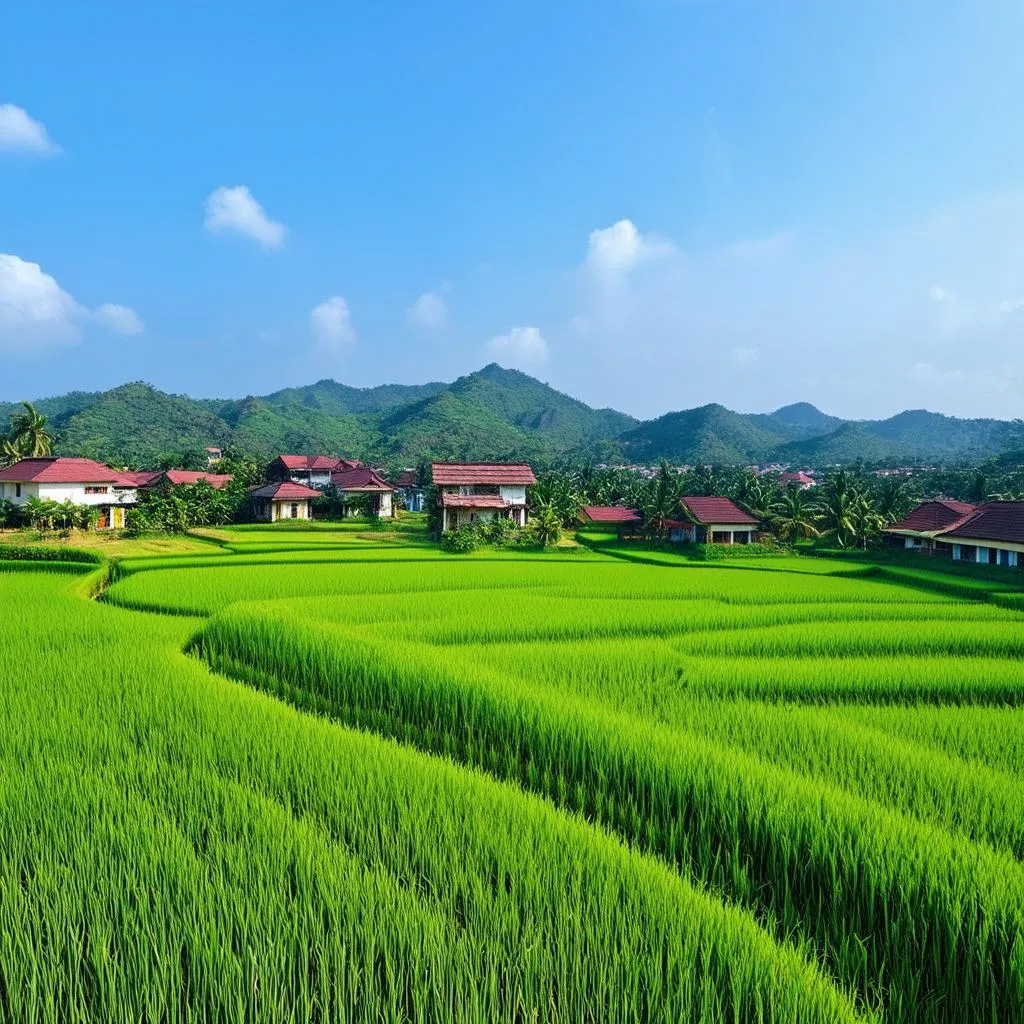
<point>36,313</point>
<point>23,134</point>
<point>521,347</point>
<point>235,209</point>
<point>429,311</point>
<point>330,323</point>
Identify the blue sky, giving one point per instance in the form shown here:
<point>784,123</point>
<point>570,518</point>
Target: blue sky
<point>652,205</point>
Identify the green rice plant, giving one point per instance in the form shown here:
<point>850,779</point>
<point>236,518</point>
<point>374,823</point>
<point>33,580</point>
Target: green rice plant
<point>814,860</point>
<point>176,847</point>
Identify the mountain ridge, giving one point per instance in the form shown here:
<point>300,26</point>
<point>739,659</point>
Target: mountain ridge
<point>495,413</point>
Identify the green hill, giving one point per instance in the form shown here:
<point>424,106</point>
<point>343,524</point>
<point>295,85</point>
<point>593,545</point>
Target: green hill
<point>495,413</point>
<point>710,434</point>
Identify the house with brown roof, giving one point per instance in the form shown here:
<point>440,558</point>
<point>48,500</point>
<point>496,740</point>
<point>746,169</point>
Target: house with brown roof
<point>922,529</point>
<point>626,522</point>
<point>282,500</point>
<point>992,533</point>
<point>715,521</point>
<point>477,491</point>
<point>363,489</point>
<point>162,478</point>
<point>311,470</point>
<point>80,481</point>
<point>799,479</point>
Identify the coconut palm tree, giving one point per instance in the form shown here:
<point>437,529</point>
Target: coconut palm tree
<point>795,514</point>
<point>546,526</point>
<point>29,434</point>
<point>838,506</point>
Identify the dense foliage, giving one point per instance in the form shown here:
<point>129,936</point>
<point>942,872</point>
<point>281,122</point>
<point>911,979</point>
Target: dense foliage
<point>496,414</point>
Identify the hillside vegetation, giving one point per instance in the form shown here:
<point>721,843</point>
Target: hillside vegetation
<point>495,414</point>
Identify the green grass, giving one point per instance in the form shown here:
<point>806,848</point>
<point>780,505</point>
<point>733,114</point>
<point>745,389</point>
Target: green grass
<point>318,774</point>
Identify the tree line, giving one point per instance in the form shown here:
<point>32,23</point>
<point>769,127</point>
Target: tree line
<point>849,507</point>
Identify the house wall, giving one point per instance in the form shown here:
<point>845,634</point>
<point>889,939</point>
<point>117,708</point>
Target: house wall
<point>513,495</point>
<point>1006,553</point>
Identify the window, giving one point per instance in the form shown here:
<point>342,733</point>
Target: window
<point>17,490</point>
<point>295,510</point>
<point>95,489</point>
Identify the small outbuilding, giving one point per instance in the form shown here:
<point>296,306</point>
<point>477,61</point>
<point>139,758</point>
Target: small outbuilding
<point>717,520</point>
<point>923,529</point>
<point>284,500</point>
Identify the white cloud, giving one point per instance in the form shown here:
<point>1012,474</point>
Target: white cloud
<point>331,325</point>
<point>428,311</point>
<point>21,133</point>
<point>34,309</point>
<point>35,312</point>
<point>236,209</point>
<point>744,357</point>
<point>620,248</point>
<point>521,347</point>
<point>119,319</point>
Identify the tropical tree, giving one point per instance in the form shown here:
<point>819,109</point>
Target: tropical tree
<point>9,453</point>
<point>545,526</point>
<point>838,506</point>
<point>756,494</point>
<point>661,502</point>
<point>9,513</point>
<point>893,499</point>
<point>794,515</point>
<point>29,436</point>
<point>40,513</point>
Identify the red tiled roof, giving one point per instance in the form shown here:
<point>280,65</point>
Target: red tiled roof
<point>610,514</point>
<point>407,478</point>
<point>995,520</point>
<point>717,511</point>
<point>212,450</point>
<point>359,480</point>
<point>796,478</point>
<point>141,479</point>
<point>448,474</point>
<point>473,501</point>
<point>185,476</point>
<point>934,517</point>
<point>317,463</point>
<point>284,491</point>
<point>54,470</point>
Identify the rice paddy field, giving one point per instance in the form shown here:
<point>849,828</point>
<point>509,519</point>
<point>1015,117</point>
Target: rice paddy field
<point>337,775</point>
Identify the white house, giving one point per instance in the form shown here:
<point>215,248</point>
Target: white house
<point>477,491</point>
<point>285,500</point>
<point>311,470</point>
<point>361,485</point>
<point>80,481</point>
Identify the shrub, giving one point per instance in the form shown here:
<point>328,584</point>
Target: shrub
<point>461,541</point>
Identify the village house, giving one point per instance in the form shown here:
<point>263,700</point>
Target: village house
<point>282,500</point>
<point>477,491</point>
<point>213,456</point>
<point>80,481</point>
<point>310,470</point>
<point>715,521</point>
<point>410,488</point>
<point>626,521</point>
<point>923,528</point>
<point>156,479</point>
<point>992,533</point>
<point>800,479</point>
<point>363,490</point>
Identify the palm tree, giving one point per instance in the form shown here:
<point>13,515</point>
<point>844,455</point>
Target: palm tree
<point>662,500</point>
<point>795,515</point>
<point>838,506</point>
<point>893,499</point>
<point>756,494</point>
<point>546,526</point>
<point>29,434</point>
<point>9,453</point>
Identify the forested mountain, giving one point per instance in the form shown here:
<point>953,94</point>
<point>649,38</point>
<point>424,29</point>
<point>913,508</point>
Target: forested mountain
<point>495,414</point>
